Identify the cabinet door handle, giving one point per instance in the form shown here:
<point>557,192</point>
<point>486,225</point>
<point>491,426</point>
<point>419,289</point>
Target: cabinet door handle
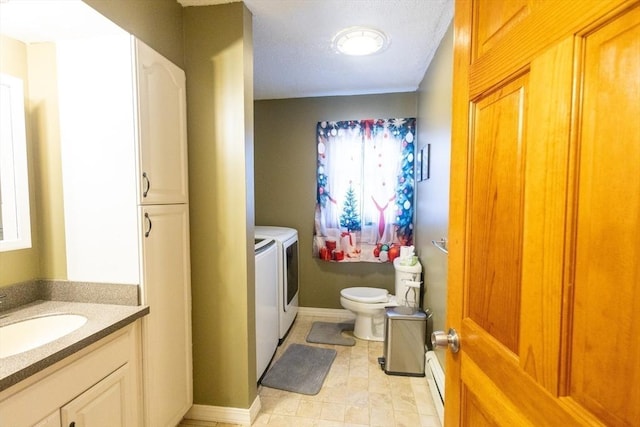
<point>146,216</point>
<point>145,178</point>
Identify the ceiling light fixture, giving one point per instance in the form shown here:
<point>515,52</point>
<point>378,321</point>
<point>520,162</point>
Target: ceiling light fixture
<point>360,41</point>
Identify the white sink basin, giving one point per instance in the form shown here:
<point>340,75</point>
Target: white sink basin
<point>31,333</point>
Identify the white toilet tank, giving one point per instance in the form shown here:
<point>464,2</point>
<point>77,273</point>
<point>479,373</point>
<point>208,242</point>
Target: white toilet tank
<point>405,274</point>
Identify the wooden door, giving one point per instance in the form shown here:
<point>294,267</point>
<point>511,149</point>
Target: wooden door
<point>544,259</point>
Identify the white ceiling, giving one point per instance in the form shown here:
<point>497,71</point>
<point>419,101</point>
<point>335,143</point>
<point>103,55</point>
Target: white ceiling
<point>293,57</point>
<point>33,21</point>
<point>292,45</point>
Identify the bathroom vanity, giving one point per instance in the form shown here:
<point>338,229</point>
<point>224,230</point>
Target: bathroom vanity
<point>92,373</point>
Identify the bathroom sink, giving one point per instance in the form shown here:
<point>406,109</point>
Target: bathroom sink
<point>30,333</point>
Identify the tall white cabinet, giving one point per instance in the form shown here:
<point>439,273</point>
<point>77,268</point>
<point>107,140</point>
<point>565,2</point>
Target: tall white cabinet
<point>124,161</point>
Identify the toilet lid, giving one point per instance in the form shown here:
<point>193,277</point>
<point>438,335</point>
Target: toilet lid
<point>368,295</point>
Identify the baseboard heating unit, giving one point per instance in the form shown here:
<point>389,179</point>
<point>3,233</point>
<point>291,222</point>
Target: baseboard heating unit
<point>435,379</point>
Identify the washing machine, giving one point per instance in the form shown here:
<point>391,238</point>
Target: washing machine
<point>267,329</point>
<point>288,280</point>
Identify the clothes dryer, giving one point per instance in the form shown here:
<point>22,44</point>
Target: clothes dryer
<point>288,279</point>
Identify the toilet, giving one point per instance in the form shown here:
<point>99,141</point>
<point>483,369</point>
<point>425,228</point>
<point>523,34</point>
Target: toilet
<point>368,304</point>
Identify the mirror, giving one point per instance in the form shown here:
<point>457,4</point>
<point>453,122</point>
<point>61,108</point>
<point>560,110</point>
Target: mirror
<point>15,227</point>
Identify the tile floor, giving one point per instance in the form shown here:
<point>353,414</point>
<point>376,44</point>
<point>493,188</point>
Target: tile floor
<point>355,393</point>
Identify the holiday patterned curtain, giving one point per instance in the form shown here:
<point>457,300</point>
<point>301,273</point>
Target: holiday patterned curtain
<point>365,182</point>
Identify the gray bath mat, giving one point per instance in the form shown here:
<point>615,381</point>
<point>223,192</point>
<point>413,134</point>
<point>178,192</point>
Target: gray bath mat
<point>330,333</point>
<point>300,369</point>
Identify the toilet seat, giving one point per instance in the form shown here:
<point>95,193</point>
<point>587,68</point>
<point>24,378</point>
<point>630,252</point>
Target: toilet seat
<point>365,295</point>
<point>369,304</point>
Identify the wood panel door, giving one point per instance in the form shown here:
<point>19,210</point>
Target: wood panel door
<point>544,256</point>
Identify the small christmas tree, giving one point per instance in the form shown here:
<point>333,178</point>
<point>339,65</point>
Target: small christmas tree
<point>350,219</point>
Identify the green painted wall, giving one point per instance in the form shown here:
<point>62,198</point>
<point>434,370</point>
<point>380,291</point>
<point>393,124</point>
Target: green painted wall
<point>285,182</point>
<point>45,131</point>
<point>432,195</point>
<point>219,68</point>
<point>21,265</point>
<point>158,23</point>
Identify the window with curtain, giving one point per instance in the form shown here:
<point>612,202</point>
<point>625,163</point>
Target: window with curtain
<point>365,182</point>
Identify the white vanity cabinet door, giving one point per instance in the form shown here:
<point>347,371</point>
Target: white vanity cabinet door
<point>53,420</point>
<point>166,331</point>
<point>103,405</point>
<point>162,128</point>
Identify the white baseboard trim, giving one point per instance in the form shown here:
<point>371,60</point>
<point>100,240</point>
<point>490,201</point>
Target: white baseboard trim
<point>435,380</point>
<point>326,312</point>
<point>222,414</point>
